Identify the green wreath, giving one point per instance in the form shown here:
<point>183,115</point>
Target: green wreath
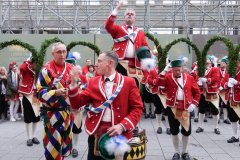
<point>42,53</point>
<point>232,56</point>
<point>186,40</point>
<point>88,44</point>
<point>24,45</point>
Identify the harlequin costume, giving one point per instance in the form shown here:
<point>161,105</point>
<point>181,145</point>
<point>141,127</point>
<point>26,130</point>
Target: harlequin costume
<point>58,119</point>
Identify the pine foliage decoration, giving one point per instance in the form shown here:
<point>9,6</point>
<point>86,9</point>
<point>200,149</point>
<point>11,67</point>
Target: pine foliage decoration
<point>232,56</point>
<point>24,45</point>
<point>88,44</point>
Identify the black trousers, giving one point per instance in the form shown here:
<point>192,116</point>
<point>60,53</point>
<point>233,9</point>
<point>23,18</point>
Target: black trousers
<point>91,155</point>
<point>28,112</point>
<point>157,103</point>
<point>175,124</point>
<point>3,106</point>
<point>76,130</point>
<point>233,117</point>
<point>204,106</point>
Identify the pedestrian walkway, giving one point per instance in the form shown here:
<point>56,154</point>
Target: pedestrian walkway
<point>203,146</point>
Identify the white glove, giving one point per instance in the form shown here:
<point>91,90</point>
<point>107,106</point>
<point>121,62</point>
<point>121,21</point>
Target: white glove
<point>204,80</point>
<point>199,82</point>
<point>168,67</point>
<point>233,81</point>
<point>230,84</point>
<point>220,88</point>
<point>191,107</point>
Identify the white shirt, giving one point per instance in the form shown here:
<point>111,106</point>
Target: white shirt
<point>108,91</point>
<point>130,48</point>
<point>180,91</point>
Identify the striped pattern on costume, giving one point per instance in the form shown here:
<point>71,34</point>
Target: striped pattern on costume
<point>58,124</point>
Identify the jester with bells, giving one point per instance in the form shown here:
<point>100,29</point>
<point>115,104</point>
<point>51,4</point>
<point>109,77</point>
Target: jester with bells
<point>182,96</point>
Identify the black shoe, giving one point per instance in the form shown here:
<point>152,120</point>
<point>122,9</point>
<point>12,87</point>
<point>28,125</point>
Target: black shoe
<point>232,140</point>
<point>29,142</point>
<point>186,156</point>
<point>147,116</point>
<point>216,130</point>
<point>74,153</point>
<point>226,121</point>
<point>35,141</point>
<point>205,120</point>
<point>168,131</point>
<point>176,156</point>
<point>195,119</point>
<point>210,116</point>
<point>153,116</point>
<point>199,130</point>
<point>159,130</point>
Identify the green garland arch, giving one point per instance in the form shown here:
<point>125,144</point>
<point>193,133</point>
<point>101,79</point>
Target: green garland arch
<point>186,40</point>
<point>161,57</point>
<point>24,45</point>
<point>232,67</point>
<point>42,53</point>
<point>88,44</point>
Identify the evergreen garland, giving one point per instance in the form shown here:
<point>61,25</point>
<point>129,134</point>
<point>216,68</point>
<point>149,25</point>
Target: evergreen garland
<point>88,44</point>
<point>42,53</point>
<point>161,57</point>
<point>186,40</point>
<point>24,45</point>
<point>232,57</point>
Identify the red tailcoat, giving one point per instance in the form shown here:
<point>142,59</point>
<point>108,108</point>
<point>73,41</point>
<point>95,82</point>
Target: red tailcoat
<point>235,89</point>
<point>191,91</point>
<point>152,78</point>
<point>118,31</point>
<point>145,77</point>
<point>125,109</point>
<point>26,85</point>
<point>213,80</point>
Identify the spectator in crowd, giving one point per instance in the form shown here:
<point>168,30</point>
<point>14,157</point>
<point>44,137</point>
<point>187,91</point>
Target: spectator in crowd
<point>3,86</point>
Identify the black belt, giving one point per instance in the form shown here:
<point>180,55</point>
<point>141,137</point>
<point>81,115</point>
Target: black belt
<point>56,109</point>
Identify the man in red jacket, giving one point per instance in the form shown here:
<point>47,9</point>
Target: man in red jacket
<point>27,87</point>
<point>182,96</point>
<point>127,39</point>
<point>209,85</point>
<point>116,105</point>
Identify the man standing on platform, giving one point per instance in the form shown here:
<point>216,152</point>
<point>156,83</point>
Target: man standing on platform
<point>127,39</point>
<point>183,95</point>
<point>30,103</point>
<point>53,80</point>
<point>116,103</point>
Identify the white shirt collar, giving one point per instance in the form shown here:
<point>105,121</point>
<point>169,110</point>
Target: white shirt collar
<point>111,78</point>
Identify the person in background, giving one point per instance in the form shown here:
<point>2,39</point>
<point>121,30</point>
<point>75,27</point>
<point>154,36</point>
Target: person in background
<point>91,72</point>
<point>72,58</point>
<point>85,68</point>
<point>12,91</point>
<point>27,87</point>
<point>3,86</point>
<point>209,85</point>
